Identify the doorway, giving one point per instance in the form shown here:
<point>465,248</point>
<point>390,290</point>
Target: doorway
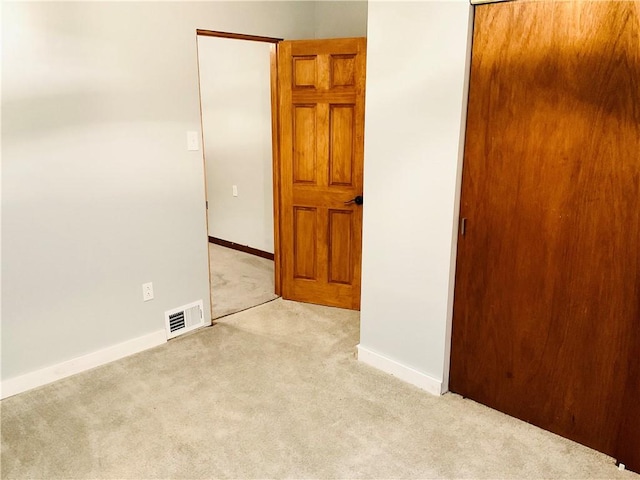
<point>236,111</point>
<point>316,157</point>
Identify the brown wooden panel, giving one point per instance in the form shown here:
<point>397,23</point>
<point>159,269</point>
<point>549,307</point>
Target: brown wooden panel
<point>304,141</point>
<point>305,72</point>
<point>334,46</point>
<point>237,36</point>
<point>305,233</point>
<point>311,160</point>
<point>341,154</point>
<point>547,311</point>
<point>334,96</point>
<point>275,155</point>
<point>323,146</point>
<point>628,444</point>
<point>343,69</point>
<point>242,248</point>
<point>329,197</point>
<point>340,241</point>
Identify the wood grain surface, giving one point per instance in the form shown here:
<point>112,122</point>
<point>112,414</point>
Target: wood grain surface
<point>237,36</point>
<point>547,302</point>
<point>321,93</point>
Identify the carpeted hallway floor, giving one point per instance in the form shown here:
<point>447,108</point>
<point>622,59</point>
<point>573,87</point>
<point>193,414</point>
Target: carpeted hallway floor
<point>271,392</point>
<point>238,280</point>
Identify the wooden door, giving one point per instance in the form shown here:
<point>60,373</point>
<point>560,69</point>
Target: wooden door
<point>547,301</point>
<point>321,87</point>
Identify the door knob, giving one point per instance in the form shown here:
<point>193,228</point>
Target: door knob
<point>358,200</point>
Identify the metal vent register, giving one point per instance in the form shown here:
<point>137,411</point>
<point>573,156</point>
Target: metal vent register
<point>184,319</point>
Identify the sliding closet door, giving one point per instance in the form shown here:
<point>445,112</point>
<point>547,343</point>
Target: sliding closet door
<point>547,304</point>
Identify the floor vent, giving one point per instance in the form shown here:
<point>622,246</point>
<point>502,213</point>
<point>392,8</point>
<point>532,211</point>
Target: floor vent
<point>184,319</point>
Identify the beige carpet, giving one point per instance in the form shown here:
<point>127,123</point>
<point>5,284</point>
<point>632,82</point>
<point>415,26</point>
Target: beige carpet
<point>238,280</point>
<point>272,392</point>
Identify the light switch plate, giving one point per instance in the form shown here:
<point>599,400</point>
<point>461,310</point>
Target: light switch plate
<point>192,141</point>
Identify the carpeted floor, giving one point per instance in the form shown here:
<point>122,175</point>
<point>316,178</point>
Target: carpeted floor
<point>238,280</point>
<point>271,392</point>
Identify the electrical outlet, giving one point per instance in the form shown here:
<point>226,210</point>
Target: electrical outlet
<point>234,190</point>
<point>147,291</point>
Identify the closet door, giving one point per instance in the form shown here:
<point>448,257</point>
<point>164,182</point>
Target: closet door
<point>547,302</point>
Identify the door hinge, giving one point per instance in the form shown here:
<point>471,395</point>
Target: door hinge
<point>206,205</point>
<point>463,226</point>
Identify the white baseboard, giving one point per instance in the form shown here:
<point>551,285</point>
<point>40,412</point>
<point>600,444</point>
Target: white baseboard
<point>13,386</point>
<point>408,374</point>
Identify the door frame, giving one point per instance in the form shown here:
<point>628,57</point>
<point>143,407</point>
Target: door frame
<point>275,144</point>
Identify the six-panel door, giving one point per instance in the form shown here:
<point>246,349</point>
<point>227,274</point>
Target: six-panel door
<point>321,86</point>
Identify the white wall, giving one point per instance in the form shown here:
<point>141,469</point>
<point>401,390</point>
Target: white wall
<point>235,79</point>
<point>336,19</point>
<point>416,105</point>
<point>99,193</point>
